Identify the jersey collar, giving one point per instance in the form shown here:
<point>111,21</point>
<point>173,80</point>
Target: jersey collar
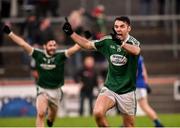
<point>127,38</point>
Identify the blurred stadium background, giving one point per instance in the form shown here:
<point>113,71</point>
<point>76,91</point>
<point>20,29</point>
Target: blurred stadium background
<point>156,23</point>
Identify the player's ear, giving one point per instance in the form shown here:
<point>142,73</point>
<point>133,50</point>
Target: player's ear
<point>44,46</point>
<point>129,28</point>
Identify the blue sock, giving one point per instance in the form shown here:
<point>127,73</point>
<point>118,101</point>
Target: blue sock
<point>158,123</point>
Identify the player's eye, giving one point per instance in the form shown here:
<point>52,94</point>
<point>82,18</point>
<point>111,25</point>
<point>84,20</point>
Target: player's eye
<point>122,26</point>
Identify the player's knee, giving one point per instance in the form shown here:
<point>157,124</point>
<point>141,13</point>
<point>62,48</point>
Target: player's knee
<point>98,113</point>
<point>41,114</point>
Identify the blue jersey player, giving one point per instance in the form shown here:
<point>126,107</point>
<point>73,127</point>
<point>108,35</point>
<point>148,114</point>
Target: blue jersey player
<point>141,92</point>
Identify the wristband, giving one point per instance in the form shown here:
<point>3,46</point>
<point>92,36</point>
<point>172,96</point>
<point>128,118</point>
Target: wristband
<point>10,33</point>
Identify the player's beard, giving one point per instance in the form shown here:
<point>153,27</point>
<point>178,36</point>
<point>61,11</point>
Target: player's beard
<point>50,52</point>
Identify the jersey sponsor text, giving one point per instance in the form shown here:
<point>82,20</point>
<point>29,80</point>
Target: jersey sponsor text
<point>118,60</point>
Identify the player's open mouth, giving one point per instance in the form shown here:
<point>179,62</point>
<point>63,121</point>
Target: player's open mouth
<point>119,34</point>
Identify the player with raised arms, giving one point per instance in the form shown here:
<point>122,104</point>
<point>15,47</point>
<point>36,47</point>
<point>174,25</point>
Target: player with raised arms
<point>122,51</point>
<point>50,66</point>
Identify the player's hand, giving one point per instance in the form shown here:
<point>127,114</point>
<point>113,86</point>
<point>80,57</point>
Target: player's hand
<point>149,90</point>
<point>6,29</point>
<point>67,28</point>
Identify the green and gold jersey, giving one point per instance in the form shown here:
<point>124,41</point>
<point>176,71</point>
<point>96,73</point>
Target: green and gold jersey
<point>50,68</point>
<point>121,77</point>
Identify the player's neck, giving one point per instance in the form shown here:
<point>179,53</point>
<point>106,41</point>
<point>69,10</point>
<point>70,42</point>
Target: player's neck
<point>126,38</point>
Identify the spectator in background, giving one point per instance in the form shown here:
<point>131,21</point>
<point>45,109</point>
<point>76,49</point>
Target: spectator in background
<point>99,15</point>
<point>88,78</point>
<point>76,18</point>
<point>98,28</point>
<point>29,28</point>
<point>141,92</point>
<point>44,33</point>
<point>77,21</point>
<point>29,31</point>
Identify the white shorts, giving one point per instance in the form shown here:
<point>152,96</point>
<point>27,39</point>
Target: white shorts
<point>141,93</point>
<point>54,95</point>
<point>126,103</point>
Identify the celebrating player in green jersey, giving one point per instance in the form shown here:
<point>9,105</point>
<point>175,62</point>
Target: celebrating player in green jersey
<point>50,67</point>
<point>122,51</point>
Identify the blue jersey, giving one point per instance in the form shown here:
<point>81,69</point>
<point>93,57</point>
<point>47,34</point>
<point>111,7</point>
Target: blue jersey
<point>140,83</point>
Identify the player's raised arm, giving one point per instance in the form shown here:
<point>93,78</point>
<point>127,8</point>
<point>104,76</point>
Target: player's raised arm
<point>17,39</point>
<point>72,50</point>
<point>81,41</point>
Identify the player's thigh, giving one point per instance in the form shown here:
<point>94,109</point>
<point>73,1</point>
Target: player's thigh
<point>141,95</point>
<point>41,102</point>
<point>103,104</point>
<point>143,103</point>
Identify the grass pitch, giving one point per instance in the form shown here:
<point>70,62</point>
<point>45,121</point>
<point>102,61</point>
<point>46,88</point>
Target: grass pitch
<point>169,120</point>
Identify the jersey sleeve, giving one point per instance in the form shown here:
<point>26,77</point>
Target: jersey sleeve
<point>63,54</point>
<point>78,76</point>
<point>36,52</point>
<point>133,41</point>
<point>99,44</point>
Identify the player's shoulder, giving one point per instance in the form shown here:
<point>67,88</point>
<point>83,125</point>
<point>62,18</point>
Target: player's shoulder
<point>60,50</point>
<point>133,40</point>
<point>107,37</point>
<point>38,50</point>
<point>104,38</point>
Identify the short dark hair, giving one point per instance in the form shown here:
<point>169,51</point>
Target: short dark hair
<point>124,19</point>
<point>45,43</point>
